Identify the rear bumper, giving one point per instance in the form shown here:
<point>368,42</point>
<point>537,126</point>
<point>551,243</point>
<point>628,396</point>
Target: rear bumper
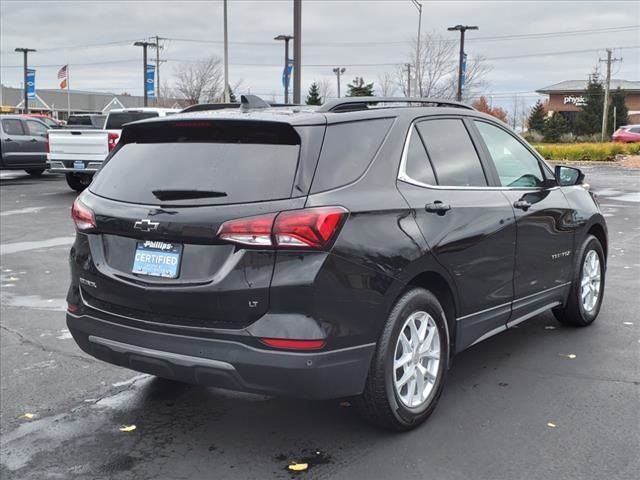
<point>223,363</point>
<point>66,166</point>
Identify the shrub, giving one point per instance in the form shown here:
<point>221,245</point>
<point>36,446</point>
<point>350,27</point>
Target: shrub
<point>586,151</point>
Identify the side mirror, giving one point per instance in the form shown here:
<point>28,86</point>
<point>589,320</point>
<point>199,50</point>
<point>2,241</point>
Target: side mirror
<point>567,176</point>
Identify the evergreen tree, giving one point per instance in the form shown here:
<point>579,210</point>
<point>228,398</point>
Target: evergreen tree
<point>554,127</point>
<point>537,117</point>
<point>360,89</point>
<point>589,119</point>
<point>622,113</point>
<point>313,98</point>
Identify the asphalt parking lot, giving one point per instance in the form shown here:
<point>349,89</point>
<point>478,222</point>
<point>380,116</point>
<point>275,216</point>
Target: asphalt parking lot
<point>517,406</point>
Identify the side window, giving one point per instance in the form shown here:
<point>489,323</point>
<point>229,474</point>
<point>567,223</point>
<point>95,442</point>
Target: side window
<point>452,154</point>
<point>36,128</point>
<point>417,166</point>
<point>516,166</point>
<point>635,130</point>
<point>347,151</point>
<point>12,126</point>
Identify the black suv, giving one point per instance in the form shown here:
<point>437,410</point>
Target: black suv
<point>349,250</point>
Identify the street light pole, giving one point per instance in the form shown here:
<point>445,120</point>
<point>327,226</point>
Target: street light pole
<point>418,5</point>
<point>339,71</point>
<point>25,52</point>
<point>286,39</point>
<point>461,29</point>
<point>297,49</point>
<point>227,96</point>
<point>144,46</point>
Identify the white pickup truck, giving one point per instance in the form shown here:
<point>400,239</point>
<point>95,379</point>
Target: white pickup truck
<point>79,153</point>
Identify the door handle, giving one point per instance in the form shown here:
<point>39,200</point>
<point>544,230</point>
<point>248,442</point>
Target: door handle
<point>33,140</point>
<point>8,140</point>
<point>437,207</point>
<point>522,205</point>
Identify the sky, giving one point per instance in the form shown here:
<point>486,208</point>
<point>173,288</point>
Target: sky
<point>368,38</point>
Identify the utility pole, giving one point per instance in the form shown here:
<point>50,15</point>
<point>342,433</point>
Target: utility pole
<point>418,5</point>
<point>25,52</point>
<point>607,86</point>
<point>226,57</point>
<point>408,80</point>
<point>461,29</point>
<point>285,77</point>
<point>339,71</point>
<point>144,46</point>
<point>297,49</point>
<point>158,47</point>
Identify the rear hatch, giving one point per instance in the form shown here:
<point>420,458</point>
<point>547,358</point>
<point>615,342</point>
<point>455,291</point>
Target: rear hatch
<point>85,145</point>
<point>159,202</point>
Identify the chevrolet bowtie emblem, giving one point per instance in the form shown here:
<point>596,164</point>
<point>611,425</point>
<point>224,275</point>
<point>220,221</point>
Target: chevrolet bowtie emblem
<point>146,225</point>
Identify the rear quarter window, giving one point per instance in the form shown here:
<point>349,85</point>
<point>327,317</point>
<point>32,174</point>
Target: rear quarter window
<point>347,151</point>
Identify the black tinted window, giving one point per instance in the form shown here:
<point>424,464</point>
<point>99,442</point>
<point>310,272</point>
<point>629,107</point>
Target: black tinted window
<point>452,153</point>
<point>78,120</point>
<point>117,119</point>
<point>11,126</point>
<point>152,173</point>
<point>418,166</point>
<point>347,151</point>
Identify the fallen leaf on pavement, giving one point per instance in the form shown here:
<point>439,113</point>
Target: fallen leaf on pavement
<point>298,467</point>
<point>571,355</point>
<point>552,425</point>
<point>127,428</point>
<point>627,323</point>
<point>27,416</point>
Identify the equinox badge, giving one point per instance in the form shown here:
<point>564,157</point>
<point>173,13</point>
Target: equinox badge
<point>146,225</point>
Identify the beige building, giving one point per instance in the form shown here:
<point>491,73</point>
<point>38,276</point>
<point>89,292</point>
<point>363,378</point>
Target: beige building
<point>567,97</point>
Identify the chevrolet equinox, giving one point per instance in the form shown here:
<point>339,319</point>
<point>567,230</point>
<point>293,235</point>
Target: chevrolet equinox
<point>349,250</point>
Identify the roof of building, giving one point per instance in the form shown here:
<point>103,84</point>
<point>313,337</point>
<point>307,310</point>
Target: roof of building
<point>80,101</point>
<point>581,85</point>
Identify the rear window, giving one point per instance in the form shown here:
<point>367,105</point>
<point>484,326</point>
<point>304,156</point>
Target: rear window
<point>452,154</point>
<point>196,163</point>
<point>76,120</point>
<point>347,151</point>
<point>116,120</point>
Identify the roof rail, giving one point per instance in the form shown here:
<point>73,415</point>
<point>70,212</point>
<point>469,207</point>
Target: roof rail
<point>201,107</point>
<point>363,103</point>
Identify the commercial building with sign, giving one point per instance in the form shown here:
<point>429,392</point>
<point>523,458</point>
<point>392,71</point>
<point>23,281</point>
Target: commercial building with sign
<point>567,97</point>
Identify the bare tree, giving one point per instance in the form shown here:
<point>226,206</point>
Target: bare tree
<point>438,67</point>
<point>387,84</point>
<point>325,88</point>
<point>200,81</point>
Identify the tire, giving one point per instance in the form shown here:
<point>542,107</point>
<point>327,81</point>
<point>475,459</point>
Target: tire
<point>577,312</point>
<point>36,172</point>
<point>78,181</point>
<point>381,402</point>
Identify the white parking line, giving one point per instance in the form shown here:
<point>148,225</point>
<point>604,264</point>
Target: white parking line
<point>17,247</point>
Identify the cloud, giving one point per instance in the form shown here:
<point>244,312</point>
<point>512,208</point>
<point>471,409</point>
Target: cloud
<point>334,33</point>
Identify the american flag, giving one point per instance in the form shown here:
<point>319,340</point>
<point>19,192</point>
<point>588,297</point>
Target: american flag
<point>63,74</point>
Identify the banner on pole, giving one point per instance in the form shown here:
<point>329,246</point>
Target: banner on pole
<point>286,74</point>
<point>31,84</point>
<point>150,81</point>
<point>463,74</point>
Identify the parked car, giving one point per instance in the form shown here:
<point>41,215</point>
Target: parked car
<point>23,144</point>
<point>627,134</point>
<point>346,251</point>
<point>79,152</point>
<point>86,121</point>
<point>46,119</point>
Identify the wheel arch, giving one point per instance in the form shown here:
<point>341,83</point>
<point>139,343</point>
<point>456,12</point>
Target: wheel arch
<point>598,231</point>
<point>437,284</point>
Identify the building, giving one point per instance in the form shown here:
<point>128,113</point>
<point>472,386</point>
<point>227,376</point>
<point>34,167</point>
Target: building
<point>567,97</point>
<point>58,103</point>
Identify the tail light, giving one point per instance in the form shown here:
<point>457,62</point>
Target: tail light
<point>82,216</point>
<point>112,140</point>
<point>312,228</point>
<point>287,344</point>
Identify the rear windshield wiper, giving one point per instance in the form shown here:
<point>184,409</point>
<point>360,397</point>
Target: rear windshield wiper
<point>186,194</point>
